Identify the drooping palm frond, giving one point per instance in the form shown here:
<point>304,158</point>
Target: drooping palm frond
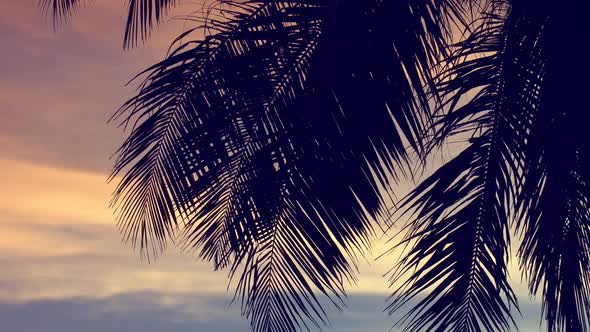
<point>262,138</point>
<point>59,10</point>
<point>458,236</point>
<point>458,260</point>
<point>556,237</point>
<point>142,16</point>
<point>534,86</point>
<point>555,215</point>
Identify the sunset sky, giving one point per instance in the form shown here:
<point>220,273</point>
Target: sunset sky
<point>63,266</point>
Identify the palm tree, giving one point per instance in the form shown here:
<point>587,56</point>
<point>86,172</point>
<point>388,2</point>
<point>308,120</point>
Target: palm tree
<point>265,139</point>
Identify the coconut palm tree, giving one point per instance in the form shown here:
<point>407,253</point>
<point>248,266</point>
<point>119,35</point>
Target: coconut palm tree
<point>266,139</point>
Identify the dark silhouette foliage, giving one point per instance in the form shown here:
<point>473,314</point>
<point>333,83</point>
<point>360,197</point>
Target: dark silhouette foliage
<point>265,139</point>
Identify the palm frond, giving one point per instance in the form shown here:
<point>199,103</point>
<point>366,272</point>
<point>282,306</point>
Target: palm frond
<point>544,182</point>
<point>556,239</point>
<point>60,10</point>
<point>555,218</point>
<point>262,137</point>
<point>458,239</point>
<point>457,265</point>
<point>142,16</point>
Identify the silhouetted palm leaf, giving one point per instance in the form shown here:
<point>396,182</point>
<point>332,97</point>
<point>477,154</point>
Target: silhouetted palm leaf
<point>59,10</point>
<point>459,229</point>
<point>252,136</point>
<point>528,162</point>
<point>143,16</point>
<point>555,218</point>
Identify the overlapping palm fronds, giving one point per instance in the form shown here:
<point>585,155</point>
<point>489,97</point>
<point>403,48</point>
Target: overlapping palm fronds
<point>520,164</point>
<point>458,228</point>
<point>555,218</point>
<point>252,138</point>
<point>262,140</point>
